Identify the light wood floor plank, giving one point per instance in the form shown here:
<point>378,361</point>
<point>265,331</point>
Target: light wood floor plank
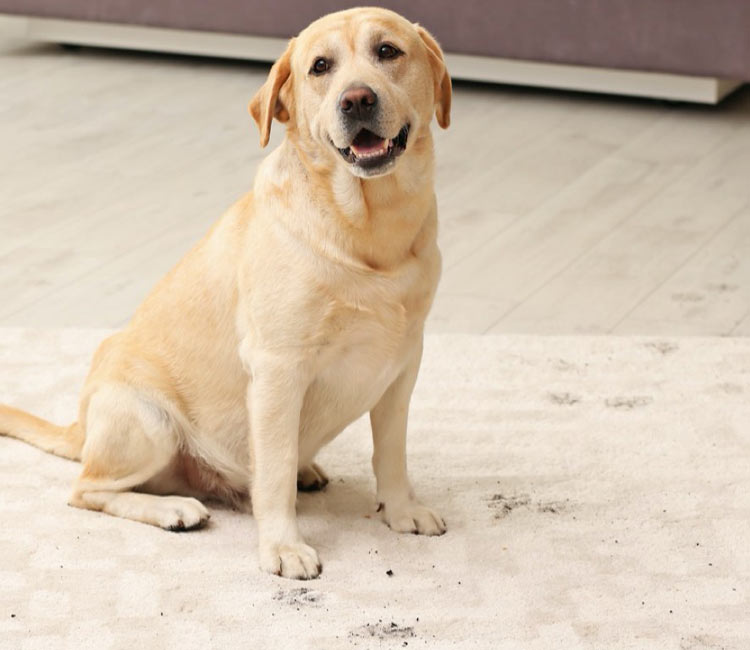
<point>602,287</point>
<point>559,212</point>
<point>709,295</point>
<point>508,178</point>
<point>743,327</point>
<point>538,248</point>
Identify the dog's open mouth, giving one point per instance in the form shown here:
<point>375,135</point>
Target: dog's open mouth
<point>369,150</point>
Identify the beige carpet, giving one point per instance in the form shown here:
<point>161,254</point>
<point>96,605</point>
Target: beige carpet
<point>597,492</point>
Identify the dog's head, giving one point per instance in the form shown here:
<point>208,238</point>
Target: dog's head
<point>358,87</point>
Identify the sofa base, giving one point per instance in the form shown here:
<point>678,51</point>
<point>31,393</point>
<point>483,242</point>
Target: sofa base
<point>706,90</point>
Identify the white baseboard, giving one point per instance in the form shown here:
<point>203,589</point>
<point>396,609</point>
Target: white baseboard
<point>708,90</point>
<point>658,85</point>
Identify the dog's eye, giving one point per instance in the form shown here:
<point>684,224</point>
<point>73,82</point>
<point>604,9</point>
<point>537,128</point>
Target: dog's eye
<point>320,66</point>
<point>388,51</point>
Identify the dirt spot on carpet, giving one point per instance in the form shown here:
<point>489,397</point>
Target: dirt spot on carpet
<point>628,403</point>
<point>730,388</point>
<point>564,399</point>
<point>383,630</point>
<point>503,505</point>
<point>703,642</point>
<point>662,347</point>
<point>565,366</point>
<point>300,596</point>
<point>551,507</point>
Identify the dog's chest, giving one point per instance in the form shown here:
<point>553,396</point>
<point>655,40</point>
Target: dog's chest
<point>370,343</point>
<point>360,369</point>
<point>350,383</point>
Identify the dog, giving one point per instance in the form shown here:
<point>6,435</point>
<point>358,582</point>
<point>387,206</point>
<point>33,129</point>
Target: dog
<point>302,308</point>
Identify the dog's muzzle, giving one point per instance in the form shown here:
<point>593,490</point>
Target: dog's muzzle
<point>369,150</point>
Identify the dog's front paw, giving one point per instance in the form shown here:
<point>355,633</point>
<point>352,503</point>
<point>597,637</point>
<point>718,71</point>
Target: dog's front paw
<point>297,561</point>
<point>411,517</point>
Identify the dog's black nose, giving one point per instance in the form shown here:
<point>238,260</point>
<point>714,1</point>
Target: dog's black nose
<point>358,102</point>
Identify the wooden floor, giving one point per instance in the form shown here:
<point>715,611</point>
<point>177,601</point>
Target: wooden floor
<point>560,212</point>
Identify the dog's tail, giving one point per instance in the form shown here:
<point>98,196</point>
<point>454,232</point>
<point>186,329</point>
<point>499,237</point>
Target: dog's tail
<point>61,441</point>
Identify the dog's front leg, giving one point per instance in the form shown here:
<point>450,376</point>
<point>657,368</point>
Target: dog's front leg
<point>275,395</point>
<point>396,501</point>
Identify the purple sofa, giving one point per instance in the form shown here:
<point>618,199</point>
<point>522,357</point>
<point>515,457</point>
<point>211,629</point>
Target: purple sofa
<point>703,38</point>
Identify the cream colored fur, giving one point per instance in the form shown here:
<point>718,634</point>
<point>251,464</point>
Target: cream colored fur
<point>301,309</point>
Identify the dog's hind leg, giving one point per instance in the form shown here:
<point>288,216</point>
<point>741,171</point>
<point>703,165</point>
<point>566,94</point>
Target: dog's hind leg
<point>131,443</point>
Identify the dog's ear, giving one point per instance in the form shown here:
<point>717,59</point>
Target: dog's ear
<point>443,88</point>
<point>273,99</point>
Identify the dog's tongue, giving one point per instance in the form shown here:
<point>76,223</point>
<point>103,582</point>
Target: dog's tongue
<point>367,142</point>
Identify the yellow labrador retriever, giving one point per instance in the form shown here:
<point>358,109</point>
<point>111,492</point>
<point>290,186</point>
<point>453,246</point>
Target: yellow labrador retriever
<point>301,309</point>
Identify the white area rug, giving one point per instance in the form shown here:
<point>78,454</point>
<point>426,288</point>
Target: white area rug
<point>597,492</point>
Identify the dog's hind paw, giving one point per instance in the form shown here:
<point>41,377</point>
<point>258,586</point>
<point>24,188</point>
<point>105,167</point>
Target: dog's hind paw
<point>311,478</point>
<point>178,514</point>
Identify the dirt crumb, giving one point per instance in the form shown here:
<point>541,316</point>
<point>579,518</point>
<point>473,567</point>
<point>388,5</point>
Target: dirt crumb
<point>564,399</point>
<point>383,630</point>
<point>564,365</point>
<point>503,505</point>
<point>663,347</point>
<point>300,596</point>
<point>623,403</point>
